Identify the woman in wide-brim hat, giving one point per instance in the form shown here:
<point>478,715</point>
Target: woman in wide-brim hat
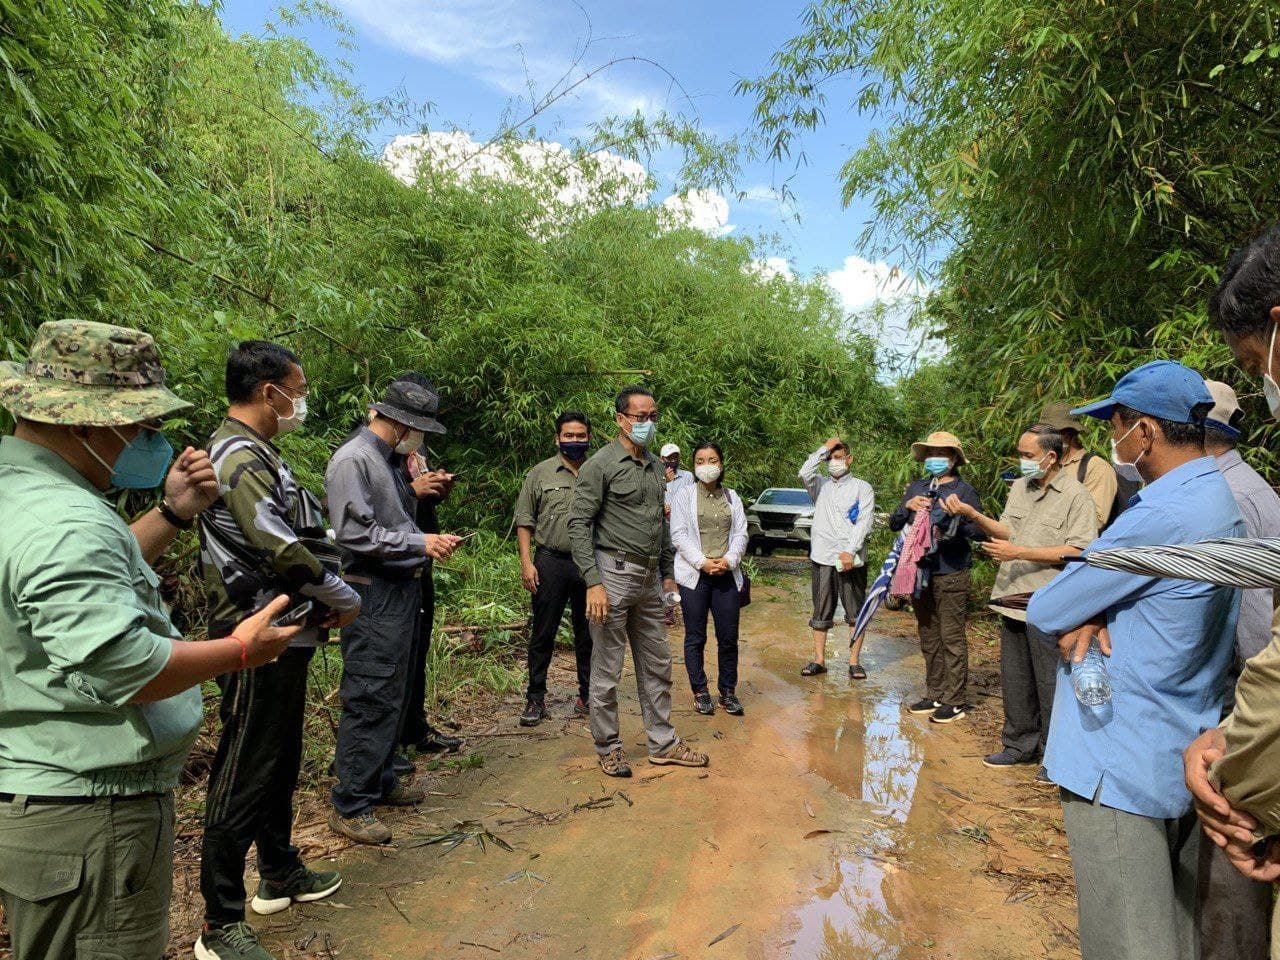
<point>941,595</point>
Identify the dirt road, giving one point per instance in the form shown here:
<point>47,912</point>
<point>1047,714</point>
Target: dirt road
<point>831,824</point>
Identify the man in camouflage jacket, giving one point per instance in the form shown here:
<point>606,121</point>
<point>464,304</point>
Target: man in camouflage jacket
<point>259,539</point>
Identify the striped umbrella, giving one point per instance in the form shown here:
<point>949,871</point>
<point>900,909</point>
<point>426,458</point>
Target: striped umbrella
<point>879,590</point>
<point>1225,563</point>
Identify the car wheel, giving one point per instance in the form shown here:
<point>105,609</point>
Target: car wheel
<point>766,550</point>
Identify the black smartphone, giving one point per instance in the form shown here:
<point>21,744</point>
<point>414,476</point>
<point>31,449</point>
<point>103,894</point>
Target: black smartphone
<point>295,616</point>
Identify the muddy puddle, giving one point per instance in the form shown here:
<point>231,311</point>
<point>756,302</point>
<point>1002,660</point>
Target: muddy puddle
<point>832,825</point>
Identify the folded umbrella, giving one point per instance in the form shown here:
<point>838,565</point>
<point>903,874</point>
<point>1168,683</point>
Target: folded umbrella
<point>1249,564</point>
<point>879,590</point>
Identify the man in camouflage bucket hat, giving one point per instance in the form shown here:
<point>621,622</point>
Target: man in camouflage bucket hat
<point>257,540</point>
<point>99,695</point>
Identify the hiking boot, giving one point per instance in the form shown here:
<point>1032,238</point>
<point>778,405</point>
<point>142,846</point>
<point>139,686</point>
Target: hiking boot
<point>702,703</point>
<point>614,763</point>
<point>436,741</point>
<point>681,756</point>
<point>534,714</point>
<point>301,886</point>
<point>731,705</point>
<point>924,706</point>
<point>812,669</point>
<point>364,827</point>
<point>1005,758</point>
<point>947,714</point>
<point>580,708</point>
<point>236,941</point>
<point>402,765</point>
<point>405,794</point>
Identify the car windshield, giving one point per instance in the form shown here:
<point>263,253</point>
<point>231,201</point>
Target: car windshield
<point>785,498</point>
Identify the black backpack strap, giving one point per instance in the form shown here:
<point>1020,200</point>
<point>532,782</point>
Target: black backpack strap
<point>1084,467</point>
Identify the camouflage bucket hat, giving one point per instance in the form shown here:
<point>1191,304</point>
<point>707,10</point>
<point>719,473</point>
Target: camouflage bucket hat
<point>82,373</point>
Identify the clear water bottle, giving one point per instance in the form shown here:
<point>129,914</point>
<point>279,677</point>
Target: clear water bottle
<point>670,601</point>
<point>1089,677</point>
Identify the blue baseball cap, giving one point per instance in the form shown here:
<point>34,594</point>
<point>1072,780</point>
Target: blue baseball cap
<point>1161,388</point>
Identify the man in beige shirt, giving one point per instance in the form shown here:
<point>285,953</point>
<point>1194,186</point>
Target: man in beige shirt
<point>1098,476</point>
<point>1048,515</point>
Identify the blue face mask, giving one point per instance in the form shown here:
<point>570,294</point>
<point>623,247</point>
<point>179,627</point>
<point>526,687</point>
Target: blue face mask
<point>143,462</point>
<point>642,433</point>
<point>937,466</point>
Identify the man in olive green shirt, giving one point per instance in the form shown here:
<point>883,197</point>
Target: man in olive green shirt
<point>1049,515</point>
<point>549,573</point>
<point>621,544</point>
<point>99,696</point>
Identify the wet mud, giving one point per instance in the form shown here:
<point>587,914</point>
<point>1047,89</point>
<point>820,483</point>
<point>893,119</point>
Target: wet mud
<point>831,825</point>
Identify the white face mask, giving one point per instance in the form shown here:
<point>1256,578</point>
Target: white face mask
<point>707,472</point>
<point>1270,389</point>
<point>297,412</point>
<point>1128,471</point>
<point>411,443</point>
<point>837,468</point>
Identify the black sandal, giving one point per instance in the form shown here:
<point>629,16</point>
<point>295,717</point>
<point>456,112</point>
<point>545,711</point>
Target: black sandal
<point>812,668</point>
<point>856,672</point>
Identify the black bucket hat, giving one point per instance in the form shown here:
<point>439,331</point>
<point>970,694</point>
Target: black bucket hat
<point>413,405</point>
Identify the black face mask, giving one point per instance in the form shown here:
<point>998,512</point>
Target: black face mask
<point>574,449</point>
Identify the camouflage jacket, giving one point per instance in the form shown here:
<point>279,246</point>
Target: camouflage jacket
<point>254,538</point>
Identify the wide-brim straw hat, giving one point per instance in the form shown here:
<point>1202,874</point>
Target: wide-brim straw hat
<point>940,440</point>
<point>88,374</point>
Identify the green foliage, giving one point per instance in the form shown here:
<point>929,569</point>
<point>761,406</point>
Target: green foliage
<point>1072,175</point>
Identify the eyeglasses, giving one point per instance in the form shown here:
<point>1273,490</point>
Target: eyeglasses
<point>642,417</point>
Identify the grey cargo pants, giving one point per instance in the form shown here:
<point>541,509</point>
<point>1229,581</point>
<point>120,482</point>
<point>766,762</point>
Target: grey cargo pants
<point>635,617</point>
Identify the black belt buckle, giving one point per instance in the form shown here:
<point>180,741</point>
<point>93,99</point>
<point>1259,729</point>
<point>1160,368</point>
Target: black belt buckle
<point>619,562</point>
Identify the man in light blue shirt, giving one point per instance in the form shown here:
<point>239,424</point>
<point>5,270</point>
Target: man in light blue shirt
<point>1126,809</point>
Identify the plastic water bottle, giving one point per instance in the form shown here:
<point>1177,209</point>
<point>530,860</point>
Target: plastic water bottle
<point>1089,677</point>
<point>670,601</point>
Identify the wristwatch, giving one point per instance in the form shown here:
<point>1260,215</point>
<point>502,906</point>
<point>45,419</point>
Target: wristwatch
<point>172,517</point>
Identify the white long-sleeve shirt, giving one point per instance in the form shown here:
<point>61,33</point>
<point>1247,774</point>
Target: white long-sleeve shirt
<point>843,512</point>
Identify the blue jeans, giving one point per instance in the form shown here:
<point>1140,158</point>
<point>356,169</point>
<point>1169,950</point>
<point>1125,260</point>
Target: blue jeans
<point>718,596</point>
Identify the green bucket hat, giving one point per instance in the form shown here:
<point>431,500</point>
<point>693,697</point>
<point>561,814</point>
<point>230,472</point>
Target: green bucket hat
<point>82,373</point>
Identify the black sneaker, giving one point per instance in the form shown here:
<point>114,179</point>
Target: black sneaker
<point>1006,758</point>
<point>436,741</point>
<point>812,669</point>
<point>924,706</point>
<point>301,886</point>
<point>702,703</point>
<point>731,705</point>
<point>236,941</point>
<point>1042,778</point>
<point>402,765</point>
<point>947,714</point>
<point>580,708</point>
<point>534,714</point>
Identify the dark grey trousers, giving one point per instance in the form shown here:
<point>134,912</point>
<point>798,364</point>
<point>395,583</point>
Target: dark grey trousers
<point>376,652</point>
<point>830,584</point>
<point>1028,675</point>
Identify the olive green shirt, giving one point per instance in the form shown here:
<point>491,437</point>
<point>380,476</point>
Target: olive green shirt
<point>1038,514</point>
<point>618,507</point>
<point>715,516</point>
<point>543,503</point>
<point>82,630</point>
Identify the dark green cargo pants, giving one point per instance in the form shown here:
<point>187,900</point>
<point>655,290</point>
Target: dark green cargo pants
<point>87,881</point>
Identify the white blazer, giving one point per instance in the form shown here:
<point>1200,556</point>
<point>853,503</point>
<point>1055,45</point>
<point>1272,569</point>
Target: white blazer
<point>686,538</point>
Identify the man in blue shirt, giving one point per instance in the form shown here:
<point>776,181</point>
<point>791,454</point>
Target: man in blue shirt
<point>1126,809</point>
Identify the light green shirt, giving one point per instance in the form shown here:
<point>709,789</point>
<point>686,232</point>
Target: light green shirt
<point>82,630</point>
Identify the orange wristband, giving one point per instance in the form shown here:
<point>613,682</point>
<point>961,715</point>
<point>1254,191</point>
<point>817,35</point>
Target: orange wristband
<point>244,651</point>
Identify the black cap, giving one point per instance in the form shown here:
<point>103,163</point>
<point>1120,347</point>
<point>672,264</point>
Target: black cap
<point>411,404</point>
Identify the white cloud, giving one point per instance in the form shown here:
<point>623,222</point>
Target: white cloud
<point>881,301</point>
<point>704,210</point>
<point>860,283</point>
<point>771,267</point>
<point>506,44</point>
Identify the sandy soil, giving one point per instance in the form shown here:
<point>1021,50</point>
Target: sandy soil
<point>831,824</point>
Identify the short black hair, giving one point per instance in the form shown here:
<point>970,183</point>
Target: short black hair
<point>1219,438</point>
<point>572,416</point>
<point>623,402</point>
<point>708,445</point>
<point>1250,287</point>
<point>1175,434</point>
<point>1048,439</point>
<point>842,446</point>
<point>255,362</point>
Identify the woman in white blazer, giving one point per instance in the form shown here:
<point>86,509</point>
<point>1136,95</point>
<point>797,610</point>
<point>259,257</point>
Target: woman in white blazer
<point>709,534</point>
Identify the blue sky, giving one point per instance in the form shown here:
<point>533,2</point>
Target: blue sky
<point>471,58</point>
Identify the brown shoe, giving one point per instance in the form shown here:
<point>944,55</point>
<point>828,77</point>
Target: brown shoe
<point>614,763</point>
<point>364,827</point>
<point>681,756</point>
<point>405,795</point>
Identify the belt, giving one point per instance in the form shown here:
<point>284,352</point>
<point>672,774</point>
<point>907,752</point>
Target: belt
<point>649,563</point>
<point>368,580</point>
<point>70,801</point>
<point>562,554</point>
